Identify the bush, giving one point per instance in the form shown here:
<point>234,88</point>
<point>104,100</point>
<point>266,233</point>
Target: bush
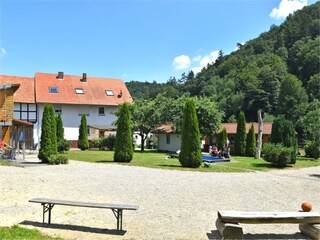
<point>123,148</point>
<point>95,143</point>
<point>190,155</point>
<point>48,139</point>
<point>58,159</point>
<point>312,149</point>
<point>241,135</point>
<point>108,142</point>
<point>64,146</point>
<point>83,142</point>
<point>278,155</point>
<point>251,142</point>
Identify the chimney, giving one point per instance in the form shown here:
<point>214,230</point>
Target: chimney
<point>84,77</point>
<point>60,75</point>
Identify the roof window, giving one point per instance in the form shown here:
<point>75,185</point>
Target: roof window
<point>53,89</point>
<point>79,91</point>
<point>109,93</point>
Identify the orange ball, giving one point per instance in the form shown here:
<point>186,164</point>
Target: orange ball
<point>306,207</point>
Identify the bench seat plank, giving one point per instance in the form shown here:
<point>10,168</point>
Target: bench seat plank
<point>84,204</point>
<point>250,217</point>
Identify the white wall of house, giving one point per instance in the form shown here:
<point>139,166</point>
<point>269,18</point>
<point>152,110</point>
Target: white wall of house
<point>169,142</point>
<point>71,118</point>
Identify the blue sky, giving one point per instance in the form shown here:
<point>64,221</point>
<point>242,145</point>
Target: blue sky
<point>141,40</point>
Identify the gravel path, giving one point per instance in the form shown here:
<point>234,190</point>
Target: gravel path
<point>172,204</point>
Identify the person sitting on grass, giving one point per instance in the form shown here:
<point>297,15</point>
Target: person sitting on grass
<point>214,151</point>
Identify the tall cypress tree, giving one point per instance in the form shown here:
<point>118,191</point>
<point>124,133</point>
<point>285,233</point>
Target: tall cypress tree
<point>240,141</point>
<point>48,139</point>
<point>222,138</point>
<point>123,149</point>
<point>190,155</point>
<point>251,142</point>
<point>60,130</point>
<point>83,142</point>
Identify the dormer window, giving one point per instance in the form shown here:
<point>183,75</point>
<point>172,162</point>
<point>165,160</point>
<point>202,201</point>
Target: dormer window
<point>53,89</point>
<point>109,93</point>
<point>79,91</point>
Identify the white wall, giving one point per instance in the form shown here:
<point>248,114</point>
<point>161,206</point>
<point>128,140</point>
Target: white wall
<point>71,118</point>
<point>175,142</point>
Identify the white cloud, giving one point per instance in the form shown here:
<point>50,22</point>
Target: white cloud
<point>286,7</point>
<point>181,62</point>
<point>198,62</point>
<point>3,52</point>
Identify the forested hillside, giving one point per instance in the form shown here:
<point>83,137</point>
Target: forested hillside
<point>277,72</point>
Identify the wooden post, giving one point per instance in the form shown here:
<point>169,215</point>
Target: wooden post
<point>24,144</point>
<point>229,230</point>
<point>260,132</point>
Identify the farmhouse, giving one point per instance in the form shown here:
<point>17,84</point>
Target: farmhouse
<point>71,96</point>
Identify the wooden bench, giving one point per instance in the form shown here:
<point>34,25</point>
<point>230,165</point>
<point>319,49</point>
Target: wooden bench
<point>117,209</point>
<point>228,221</point>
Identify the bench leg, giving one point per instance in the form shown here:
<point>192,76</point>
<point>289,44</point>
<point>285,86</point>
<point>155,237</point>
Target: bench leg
<point>46,207</point>
<point>118,214</point>
<point>229,230</point>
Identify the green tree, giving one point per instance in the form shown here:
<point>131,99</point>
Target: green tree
<point>143,114</point>
<point>284,133</point>
<point>48,139</point>
<point>190,155</point>
<point>251,142</point>
<point>123,149</point>
<point>240,142</point>
<point>83,142</point>
<point>222,138</point>
<point>60,130</point>
<point>292,98</point>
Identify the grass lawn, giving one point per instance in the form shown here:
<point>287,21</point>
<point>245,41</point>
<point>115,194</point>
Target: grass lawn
<point>18,233</point>
<point>160,160</point>
<point>4,163</point>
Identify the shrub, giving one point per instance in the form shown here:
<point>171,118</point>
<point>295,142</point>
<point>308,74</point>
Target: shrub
<point>190,155</point>
<point>108,142</point>
<point>251,142</point>
<point>240,142</point>
<point>95,143</point>
<point>48,139</point>
<point>123,149</point>
<point>83,142</point>
<point>64,145</point>
<point>312,149</point>
<point>58,159</point>
<point>222,138</point>
<point>277,154</point>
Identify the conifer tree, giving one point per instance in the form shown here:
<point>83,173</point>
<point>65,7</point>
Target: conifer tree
<point>222,138</point>
<point>60,130</point>
<point>251,142</point>
<point>190,155</point>
<point>48,139</point>
<point>83,142</point>
<point>123,149</point>
<point>240,141</point>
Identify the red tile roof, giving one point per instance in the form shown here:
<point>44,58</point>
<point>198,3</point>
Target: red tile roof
<point>232,127</point>
<point>94,90</point>
<point>25,93</point>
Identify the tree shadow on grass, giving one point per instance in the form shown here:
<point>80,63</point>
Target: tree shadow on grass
<point>74,228</point>
<point>170,166</point>
<point>268,165</point>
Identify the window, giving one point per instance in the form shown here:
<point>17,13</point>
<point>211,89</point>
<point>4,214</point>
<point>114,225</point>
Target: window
<point>168,138</point>
<point>101,111</point>
<point>57,109</point>
<point>79,91</point>
<point>109,93</point>
<point>53,89</point>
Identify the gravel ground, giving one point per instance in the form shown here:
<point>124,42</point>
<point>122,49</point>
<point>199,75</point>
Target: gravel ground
<point>172,204</point>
